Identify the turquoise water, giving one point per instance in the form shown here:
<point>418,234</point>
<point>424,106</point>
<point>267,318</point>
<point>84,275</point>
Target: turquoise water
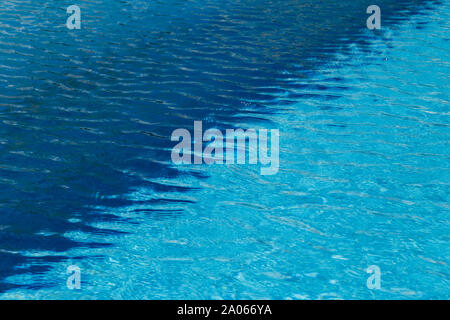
<point>85,171</point>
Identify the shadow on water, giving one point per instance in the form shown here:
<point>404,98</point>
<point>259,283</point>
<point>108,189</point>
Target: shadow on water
<point>86,115</point>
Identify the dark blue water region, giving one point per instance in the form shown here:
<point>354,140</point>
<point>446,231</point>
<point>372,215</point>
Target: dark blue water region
<point>86,115</point>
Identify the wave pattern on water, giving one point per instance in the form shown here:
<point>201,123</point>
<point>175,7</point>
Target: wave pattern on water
<point>85,123</point>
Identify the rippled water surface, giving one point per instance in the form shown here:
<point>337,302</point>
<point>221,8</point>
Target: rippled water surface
<point>86,177</point>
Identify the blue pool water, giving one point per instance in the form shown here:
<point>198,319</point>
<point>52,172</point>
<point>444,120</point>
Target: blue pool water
<point>86,177</point>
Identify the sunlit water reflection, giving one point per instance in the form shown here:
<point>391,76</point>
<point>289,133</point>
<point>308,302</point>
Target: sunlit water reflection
<point>85,171</point>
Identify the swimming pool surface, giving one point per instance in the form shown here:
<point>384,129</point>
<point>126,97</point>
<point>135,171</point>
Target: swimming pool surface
<point>86,177</point>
